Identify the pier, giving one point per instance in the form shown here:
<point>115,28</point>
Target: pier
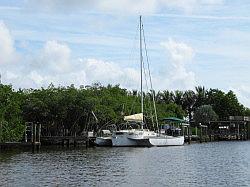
<point>235,128</point>
<point>34,138</point>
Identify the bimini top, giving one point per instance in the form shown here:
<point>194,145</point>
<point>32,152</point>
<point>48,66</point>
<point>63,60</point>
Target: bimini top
<point>174,119</point>
<point>134,117</point>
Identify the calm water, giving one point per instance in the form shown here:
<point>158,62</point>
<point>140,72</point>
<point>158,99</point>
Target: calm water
<point>207,164</point>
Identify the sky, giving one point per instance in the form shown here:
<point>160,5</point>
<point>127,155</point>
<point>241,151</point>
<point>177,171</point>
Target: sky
<point>80,42</point>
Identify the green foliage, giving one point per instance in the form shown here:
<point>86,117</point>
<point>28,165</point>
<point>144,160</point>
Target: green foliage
<point>247,112</point>
<point>225,104</point>
<point>11,124</point>
<point>204,114</point>
<point>71,108</point>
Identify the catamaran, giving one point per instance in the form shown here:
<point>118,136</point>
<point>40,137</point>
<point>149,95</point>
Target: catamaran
<point>141,136</point>
<point>131,136</point>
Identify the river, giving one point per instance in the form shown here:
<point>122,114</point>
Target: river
<point>206,164</point>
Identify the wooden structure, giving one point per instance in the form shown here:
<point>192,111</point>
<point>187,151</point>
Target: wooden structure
<point>85,138</point>
<point>236,128</point>
<point>33,135</point>
<point>32,138</point>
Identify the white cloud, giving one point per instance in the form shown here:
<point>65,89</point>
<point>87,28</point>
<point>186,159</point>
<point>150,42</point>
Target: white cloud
<point>180,55</point>
<point>122,6</point>
<point>10,75</point>
<point>36,77</point>
<point>109,73</point>
<point>7,50</point>
<point>180,52</point>
<point>54,64</point>
<point>56,55</point>
<point>243,94</point>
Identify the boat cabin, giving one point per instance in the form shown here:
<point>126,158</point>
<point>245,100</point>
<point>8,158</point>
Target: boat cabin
<point>173,126</point>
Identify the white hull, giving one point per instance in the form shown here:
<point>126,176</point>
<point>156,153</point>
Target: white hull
<point>132,138</point>
<point>123,141</point>
<point>103,141</point>
<point>166,141</point>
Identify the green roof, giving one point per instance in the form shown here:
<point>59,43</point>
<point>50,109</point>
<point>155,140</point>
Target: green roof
<point>174,119</point>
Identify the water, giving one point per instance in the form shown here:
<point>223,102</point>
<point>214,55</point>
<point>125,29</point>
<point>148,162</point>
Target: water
<point>206,164</point>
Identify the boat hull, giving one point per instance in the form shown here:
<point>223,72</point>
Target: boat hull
<point>161,141</point>
<point>103,141</point>
<point>132,138</point>
<point>123,141</point>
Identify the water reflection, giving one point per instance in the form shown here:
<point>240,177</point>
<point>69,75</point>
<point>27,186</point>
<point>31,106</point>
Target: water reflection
<point>211,164</point>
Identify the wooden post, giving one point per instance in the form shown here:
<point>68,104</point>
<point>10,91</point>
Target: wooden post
<point>39,136</point>
<point>189,138</point>
<point>68,143</point>
<point>39,132</point>
<point>32,133</point>
<point>25,133</point>
<point>87,142</point>
<point>200,133</point>
<point>75,142</point>
<point>238,131</point>
<point>35,133</point>
<point>206,134</point>
<point>245,131</point>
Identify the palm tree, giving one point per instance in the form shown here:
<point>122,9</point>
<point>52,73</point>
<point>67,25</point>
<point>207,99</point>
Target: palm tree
<point>178,97</point>
<point>201,96</point>
<point>189,99</point>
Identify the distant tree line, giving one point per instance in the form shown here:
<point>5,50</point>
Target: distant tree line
<point>70,108</point>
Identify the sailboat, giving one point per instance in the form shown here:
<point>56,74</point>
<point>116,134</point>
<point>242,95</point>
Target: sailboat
<point>132,136</point>
<point>143,137</point>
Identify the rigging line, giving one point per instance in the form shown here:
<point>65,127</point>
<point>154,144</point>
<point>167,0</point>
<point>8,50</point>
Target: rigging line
<point>146,81</point>
<point>147,89</point>
<point>149,103</point>
<point>153,93</point>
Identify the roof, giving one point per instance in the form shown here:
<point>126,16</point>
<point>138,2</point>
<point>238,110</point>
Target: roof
<point>174,119</point>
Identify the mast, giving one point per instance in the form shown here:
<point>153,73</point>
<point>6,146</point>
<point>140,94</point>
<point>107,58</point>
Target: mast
<point>141,70</point>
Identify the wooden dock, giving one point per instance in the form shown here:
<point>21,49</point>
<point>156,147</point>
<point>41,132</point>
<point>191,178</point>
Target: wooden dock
<point>68,140</point>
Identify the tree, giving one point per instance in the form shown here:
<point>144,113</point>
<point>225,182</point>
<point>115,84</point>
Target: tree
<point>12,126</point>
<point>224,104</point>
<point>189,99</point>
<point>204,114</point>
<point>201,96</point>
<point>178,97</point>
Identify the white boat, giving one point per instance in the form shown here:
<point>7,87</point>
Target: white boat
<point>132,137</point>
<point>105,138</point>
<point>164,140</point>
<point>143,137</point>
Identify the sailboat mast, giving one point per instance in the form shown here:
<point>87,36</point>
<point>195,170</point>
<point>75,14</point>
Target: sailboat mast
<point>141,69</point>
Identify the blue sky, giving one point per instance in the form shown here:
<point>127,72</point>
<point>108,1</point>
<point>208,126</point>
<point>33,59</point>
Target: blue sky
<point>190,43</point>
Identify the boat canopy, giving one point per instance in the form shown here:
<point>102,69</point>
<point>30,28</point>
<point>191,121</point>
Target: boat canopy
<point>134,117</point>
<point>175,120</point>
<point>106,132</point>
